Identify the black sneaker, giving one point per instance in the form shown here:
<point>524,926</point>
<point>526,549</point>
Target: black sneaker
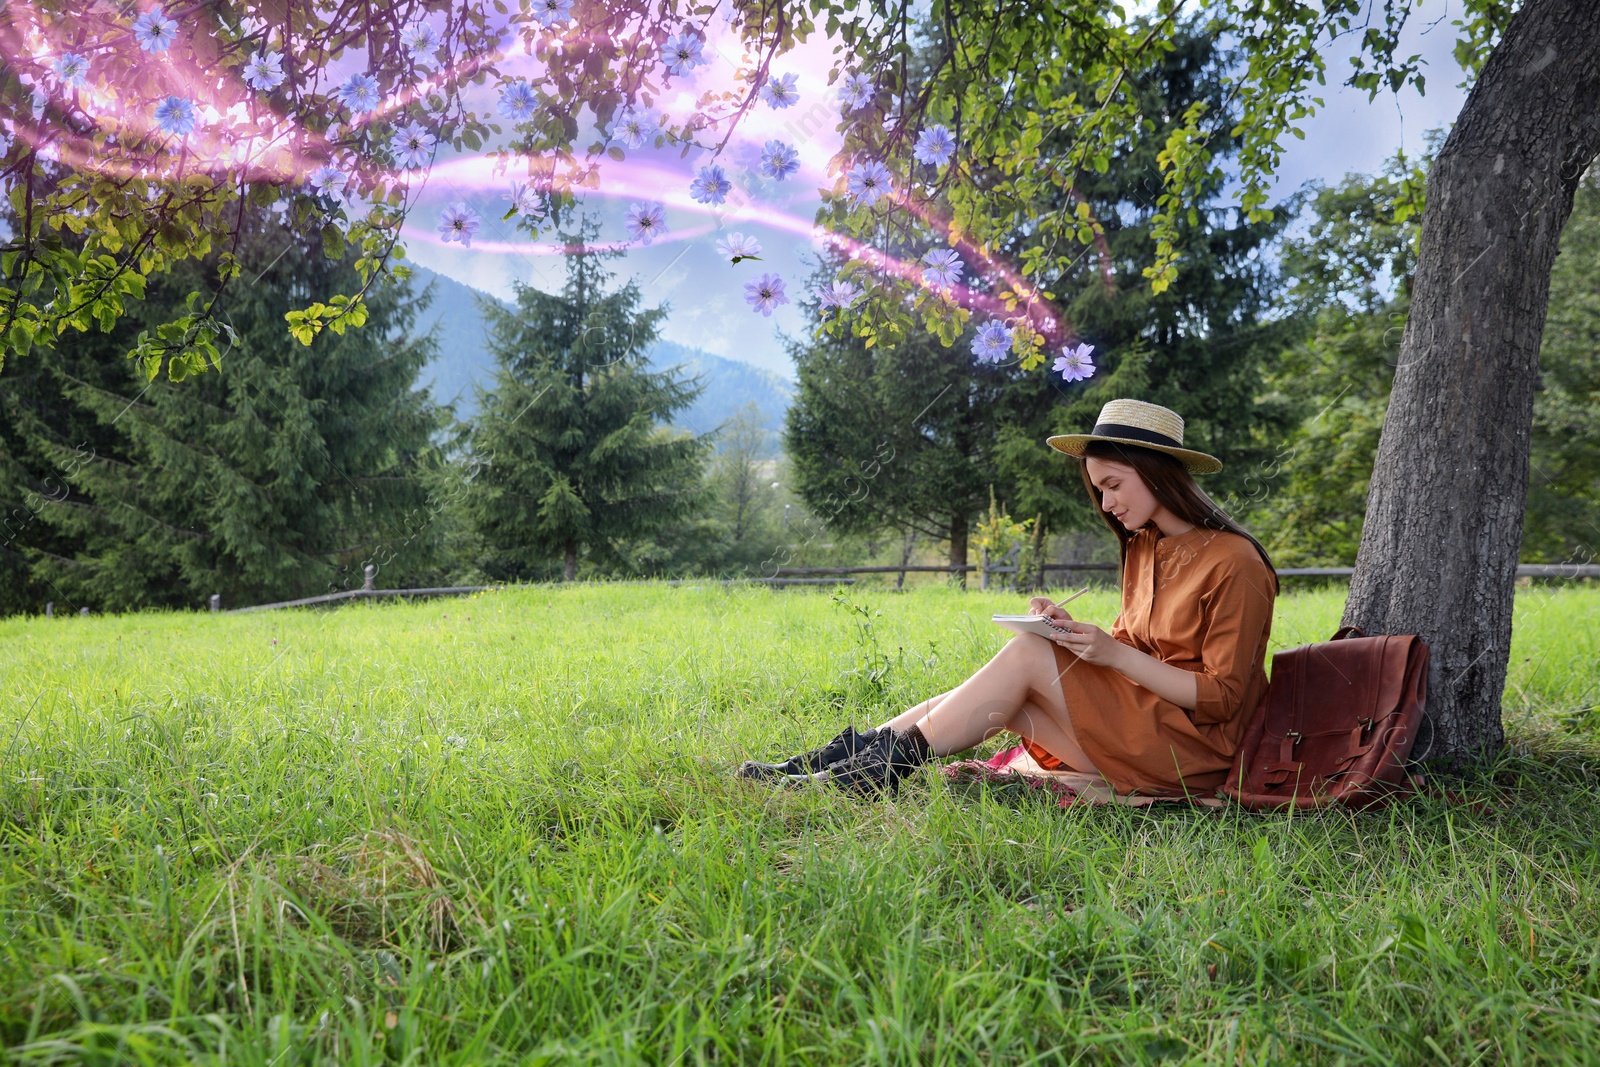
<point>842,747</point>
<point>875,769</point>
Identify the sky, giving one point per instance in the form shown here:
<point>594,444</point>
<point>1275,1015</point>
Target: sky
<point>704,293</point>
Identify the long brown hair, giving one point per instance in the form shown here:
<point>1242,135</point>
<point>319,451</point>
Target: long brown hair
<point>1170,482</point>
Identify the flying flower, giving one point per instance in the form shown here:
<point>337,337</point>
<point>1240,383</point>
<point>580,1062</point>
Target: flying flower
<point>737,246</point>
<point>524,201</point>
<point>633,129</point>
<point>154,31</point>
<point>841,294</point>
<point>550,12</point>
<point>1074,363</point>
<point>711,185</point>
<point>517,101</point>
<point>328,180</point>
<point>856,91</point>
<point>264,71</point>
<point>458,222</point>
<point>412,145</point>
<point>781,93</point>
<point>935,145</point>
<point>419,39</point>
<point>683,52</point>
<point>868,182</point>
<point>175,115</point>
<point>779,160</point>
<point>992,343</point>
<point>72,69</point>
<point>646,221</point>
<point>765,293</point>
<point>944,267</point>
<point>359,92</point>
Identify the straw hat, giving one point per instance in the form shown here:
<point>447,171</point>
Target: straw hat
<point>1134,422</point>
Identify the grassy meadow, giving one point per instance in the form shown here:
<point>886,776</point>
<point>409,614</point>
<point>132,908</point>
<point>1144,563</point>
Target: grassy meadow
<point>501,829</point>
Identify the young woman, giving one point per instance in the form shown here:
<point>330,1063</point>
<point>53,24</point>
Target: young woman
<point>1157,705</point>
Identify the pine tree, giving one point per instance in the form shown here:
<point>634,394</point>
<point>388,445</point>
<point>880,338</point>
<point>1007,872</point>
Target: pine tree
<point>954,427</point>
<point>570,455</point>
<point>280,475</point>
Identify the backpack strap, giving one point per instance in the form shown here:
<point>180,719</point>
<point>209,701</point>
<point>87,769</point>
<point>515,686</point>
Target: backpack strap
<point>1347,631</point>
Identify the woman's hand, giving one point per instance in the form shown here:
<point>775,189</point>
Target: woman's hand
<point>1040,605</point>
<point>1092,644</point>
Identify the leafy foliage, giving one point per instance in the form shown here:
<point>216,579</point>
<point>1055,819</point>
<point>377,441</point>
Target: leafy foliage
<point>93,148</point>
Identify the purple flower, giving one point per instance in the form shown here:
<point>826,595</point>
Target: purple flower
<point>781,93</point>
<point>935,145</point>
<point>175,115</point>
<point>711,185</point>
<point>327,180</point>
<point>869,182</point>
<point>154,31</point>
<point>779,160</point>
<point>646,221</point>
<point>992,343</point>
<point>550,12</point>
<point>856,91</point>
<point>1074,363</point>
<point>683,52</point>
<point>72,69</point>
<point>419,39</point>
<point>264,71</point>
<point>765,293</point>
<point>359,92</point>
<point>633,129</point>
<point>841,294</point>
<point>737,246</point>
<point>412,145</point>
<point>524,201</point>
<point>517,101</point>
<point>458,222</point>
<point>944,267</point>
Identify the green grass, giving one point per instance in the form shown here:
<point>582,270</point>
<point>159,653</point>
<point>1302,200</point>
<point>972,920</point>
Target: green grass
<point>502,830</point>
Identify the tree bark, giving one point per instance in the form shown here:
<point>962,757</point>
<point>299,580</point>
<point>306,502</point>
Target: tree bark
<point>1439,548</point>
<point>958,548</point>
<point>569,566</point>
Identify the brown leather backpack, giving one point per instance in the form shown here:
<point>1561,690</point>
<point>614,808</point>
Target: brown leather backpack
<point>1336,726</point>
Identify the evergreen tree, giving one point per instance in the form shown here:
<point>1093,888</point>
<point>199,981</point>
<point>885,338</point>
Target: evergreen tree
<point>279,476</point>
<point>1200,346</point>
<point>570,451</point>
<point>954,427</point>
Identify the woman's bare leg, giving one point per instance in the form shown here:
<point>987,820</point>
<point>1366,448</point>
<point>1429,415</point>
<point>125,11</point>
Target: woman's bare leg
<point>1018,690</point>
<point>913,715</point>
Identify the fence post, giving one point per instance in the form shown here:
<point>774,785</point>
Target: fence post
<point>216,601</point>
<point>368,583</point>
<point>983,580</point>
<point>49,609</point>
<point>84,612</point>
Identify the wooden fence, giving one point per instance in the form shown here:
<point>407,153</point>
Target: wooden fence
<point>829,576</point>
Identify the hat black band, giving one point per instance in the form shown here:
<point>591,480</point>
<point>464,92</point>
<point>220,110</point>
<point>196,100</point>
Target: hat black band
<point>1137,433</point>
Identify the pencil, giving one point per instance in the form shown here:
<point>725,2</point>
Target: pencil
<point>1073,597</point>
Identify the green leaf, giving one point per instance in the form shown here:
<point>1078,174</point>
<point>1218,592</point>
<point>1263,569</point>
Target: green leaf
<point>332,241</point>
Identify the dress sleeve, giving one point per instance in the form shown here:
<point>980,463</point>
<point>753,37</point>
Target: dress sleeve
<point>1237,610</point>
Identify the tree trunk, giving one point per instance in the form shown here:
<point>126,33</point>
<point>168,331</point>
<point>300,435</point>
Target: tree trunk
<point>958,548</point>
<point>1439,548</point>
<point>569,568</point>
<point>905,557</point>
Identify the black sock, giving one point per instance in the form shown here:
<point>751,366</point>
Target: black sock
<point>916,746</point>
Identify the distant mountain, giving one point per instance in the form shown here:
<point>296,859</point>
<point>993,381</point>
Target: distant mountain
<point>464,361</point>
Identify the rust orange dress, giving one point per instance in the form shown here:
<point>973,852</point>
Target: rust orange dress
<point>1202,601</point>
